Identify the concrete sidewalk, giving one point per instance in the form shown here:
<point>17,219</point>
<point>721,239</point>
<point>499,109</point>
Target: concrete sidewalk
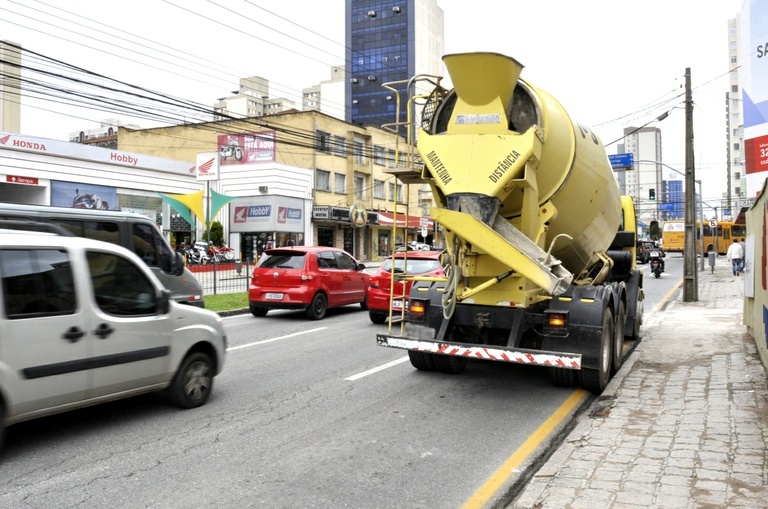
<point>684,424</point>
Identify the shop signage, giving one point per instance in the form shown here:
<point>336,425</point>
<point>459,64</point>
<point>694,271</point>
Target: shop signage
<point>321,212</point>
<point>15,179</point>
<point>358,215</point>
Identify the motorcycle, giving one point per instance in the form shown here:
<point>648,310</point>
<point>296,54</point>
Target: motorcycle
<point>656,262</point>
<point>197,255</point>
<point>221,254</point>
<point>232,149</point>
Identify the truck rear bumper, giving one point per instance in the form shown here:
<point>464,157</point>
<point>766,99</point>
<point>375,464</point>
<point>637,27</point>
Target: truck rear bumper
<point>490,353</point>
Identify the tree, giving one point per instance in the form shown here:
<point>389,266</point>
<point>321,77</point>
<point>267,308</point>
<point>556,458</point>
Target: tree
<point>217,234</point>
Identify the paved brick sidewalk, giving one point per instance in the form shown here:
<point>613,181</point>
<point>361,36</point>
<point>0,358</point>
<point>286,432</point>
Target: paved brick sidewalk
<point>684,424</point>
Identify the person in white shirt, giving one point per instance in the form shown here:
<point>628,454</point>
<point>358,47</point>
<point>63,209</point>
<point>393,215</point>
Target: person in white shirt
<point>735,254</point>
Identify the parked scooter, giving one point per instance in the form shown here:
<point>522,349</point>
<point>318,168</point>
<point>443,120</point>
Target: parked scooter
<point>656,262</point>
<point>197,254</point>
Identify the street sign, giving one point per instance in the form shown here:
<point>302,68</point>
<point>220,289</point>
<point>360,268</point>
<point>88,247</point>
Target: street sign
<point>622,161</point>
<point>666,207</point>
<point>424,231</point>
<point>424,221</point>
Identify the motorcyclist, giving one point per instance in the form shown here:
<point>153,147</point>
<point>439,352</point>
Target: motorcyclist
<point>661,252</point>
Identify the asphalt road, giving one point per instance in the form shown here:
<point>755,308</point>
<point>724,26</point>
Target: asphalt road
<point>305,414</point>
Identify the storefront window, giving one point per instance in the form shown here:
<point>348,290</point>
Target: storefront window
<point>325,237</point>
<point>383,243</point>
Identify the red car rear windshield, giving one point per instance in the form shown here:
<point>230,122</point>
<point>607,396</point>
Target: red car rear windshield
<point>414,266</point>
<point>283,261</point>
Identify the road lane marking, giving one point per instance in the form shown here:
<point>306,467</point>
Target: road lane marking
<point>257,343</point>
<point>377,369</point>
<point>510,466</point>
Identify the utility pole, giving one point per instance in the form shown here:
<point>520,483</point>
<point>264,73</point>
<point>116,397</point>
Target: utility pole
<point>690,283</point>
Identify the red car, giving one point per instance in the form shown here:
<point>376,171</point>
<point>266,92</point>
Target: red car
<point>307,277</point>
<point>422,263</point>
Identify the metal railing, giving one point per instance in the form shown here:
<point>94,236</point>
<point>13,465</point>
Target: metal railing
<point>227,277</point>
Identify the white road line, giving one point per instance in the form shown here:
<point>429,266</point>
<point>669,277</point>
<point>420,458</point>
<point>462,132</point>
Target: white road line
<point>377,369</point>
<point>257,343</point>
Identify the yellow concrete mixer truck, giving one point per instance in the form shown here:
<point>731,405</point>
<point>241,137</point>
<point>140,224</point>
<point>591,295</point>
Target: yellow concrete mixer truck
<point>540,245</point>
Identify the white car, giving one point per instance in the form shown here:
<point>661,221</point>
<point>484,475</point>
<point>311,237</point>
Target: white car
<point>84,322</point>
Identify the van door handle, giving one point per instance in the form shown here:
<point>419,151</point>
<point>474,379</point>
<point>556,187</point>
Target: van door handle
<point>73,334</point>
<point>103,331</point>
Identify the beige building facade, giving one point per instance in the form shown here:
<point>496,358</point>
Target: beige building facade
<point>338,171</point>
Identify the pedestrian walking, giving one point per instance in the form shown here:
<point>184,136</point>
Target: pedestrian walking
<point>743,254</point>
<point>735,254</point>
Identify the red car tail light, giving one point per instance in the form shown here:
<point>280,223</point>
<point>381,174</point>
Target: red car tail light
<point>374,282</point>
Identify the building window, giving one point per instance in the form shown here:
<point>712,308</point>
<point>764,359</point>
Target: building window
<point>340,146</point>
<point>392,192</point>
<point>378,155</point>
<point>360,186</point>
<point>736,146</point>
<point>733,60</point>
<point>737,175</point>
<point>340,183</point>
<point>322,180</point>
<point>378,190</point>
<point>359,150</point>
<point>734,88</point>
<point>391,158</point>
<point>322,141</point>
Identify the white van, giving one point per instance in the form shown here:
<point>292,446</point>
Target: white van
<point>134,232</point>
<point>84,322</point>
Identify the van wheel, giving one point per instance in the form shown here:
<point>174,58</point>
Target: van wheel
<point>316,310</point>
<point>193,382</point>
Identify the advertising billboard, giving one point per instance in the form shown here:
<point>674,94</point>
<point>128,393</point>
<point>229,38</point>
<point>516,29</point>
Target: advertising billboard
<point>754,92</point>
<point>247,148</point>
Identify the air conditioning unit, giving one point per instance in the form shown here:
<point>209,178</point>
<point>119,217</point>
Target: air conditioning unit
<point>371,78</point>
<point>371,14</point>
<point>354,101</point>
<point>353,80</point>
<point>396,9</point>
<point>263,189</point>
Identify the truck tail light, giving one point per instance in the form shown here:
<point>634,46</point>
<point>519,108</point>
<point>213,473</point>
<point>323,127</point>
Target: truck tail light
<point>417,308</point>
<point>556,324</point>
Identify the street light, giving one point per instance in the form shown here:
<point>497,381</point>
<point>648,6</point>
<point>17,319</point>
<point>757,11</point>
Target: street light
<point>701,206</point>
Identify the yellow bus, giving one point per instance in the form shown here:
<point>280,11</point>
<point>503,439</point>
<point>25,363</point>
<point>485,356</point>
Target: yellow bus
<point>721,236</point>
<point>673,236</point>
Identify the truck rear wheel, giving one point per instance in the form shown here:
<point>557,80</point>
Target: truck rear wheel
<point>618,334</point>
<point>563,377</point>
<point>449,364</point>
<point>595,378</point>
<point>422,361</point>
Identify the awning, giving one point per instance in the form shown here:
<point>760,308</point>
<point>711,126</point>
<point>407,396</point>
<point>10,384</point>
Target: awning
<point>385,219</point>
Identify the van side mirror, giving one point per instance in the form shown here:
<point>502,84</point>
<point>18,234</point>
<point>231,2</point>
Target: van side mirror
<point>178,264</point>
<point>164,302</point>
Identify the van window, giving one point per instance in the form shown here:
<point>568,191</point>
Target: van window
<point>120,287</point>
<point>144,244</point>
<point>107,231</point>
<point>37,282</point>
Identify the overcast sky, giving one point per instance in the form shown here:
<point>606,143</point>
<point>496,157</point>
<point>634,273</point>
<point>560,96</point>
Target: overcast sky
<point>612,64</point>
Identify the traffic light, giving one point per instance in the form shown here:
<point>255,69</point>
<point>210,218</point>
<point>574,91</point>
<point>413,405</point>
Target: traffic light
<point>652,194</point>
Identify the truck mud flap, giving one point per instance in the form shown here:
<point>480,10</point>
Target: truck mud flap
<point>481,352</point>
